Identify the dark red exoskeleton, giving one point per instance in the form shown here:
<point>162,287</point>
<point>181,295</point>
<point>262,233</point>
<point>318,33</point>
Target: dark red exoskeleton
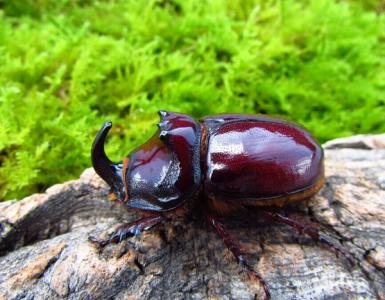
<point>223,162</point>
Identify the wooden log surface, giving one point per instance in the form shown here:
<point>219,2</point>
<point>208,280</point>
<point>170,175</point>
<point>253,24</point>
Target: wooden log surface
<point>45,252</point>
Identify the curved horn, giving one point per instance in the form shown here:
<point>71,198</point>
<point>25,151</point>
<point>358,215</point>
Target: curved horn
<point>106,169</point>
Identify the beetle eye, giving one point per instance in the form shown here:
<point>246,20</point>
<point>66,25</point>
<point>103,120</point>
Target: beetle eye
<point>163,135</point>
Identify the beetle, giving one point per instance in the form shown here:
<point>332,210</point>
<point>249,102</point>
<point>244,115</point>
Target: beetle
<point>220,164</point>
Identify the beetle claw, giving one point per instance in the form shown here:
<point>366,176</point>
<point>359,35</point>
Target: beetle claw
<point>97,241</point>
<point>128,230</point>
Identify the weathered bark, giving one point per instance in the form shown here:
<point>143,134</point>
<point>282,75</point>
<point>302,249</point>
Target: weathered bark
<point>46,253</point>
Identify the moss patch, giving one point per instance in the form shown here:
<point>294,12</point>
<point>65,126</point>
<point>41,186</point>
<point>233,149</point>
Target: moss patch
<point>66,66</point>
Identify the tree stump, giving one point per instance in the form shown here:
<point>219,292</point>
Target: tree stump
<point>45,252</point>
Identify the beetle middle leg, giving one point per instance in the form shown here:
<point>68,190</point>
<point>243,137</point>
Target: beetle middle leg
<point>236,250</point>
<point>130,229</point>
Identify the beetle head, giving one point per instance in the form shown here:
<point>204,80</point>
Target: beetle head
<point>160,174</point>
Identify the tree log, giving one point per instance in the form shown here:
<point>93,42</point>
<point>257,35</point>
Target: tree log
<point>46,254</point>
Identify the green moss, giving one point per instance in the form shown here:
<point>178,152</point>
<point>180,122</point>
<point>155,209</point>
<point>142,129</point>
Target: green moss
<point>66,66</point>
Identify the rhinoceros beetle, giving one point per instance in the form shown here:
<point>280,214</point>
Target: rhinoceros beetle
<point>223,162</point>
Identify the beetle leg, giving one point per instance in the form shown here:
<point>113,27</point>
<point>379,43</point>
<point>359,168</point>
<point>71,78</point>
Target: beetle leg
<point>236,249</point>
<point>310,230</point>
<point>127,230</point>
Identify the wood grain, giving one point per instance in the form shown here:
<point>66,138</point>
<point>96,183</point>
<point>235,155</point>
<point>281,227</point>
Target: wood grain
<point>45,252</point>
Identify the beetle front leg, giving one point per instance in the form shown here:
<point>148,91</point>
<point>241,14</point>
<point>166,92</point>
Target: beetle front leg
<point>236,249</point>
<point>127,230</point>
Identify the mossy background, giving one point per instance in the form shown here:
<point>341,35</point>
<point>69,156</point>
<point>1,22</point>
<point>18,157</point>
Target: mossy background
<point>66,66</point>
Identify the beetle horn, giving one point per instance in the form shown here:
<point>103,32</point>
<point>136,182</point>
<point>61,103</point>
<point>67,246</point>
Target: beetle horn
<point>106,169</point>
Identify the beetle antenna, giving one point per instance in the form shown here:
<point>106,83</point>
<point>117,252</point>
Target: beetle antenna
<point>106,169</point>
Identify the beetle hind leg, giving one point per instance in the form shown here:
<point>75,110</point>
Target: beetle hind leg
<point>310,229</point>
<point>127,230</point>
<point>237,251</point>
